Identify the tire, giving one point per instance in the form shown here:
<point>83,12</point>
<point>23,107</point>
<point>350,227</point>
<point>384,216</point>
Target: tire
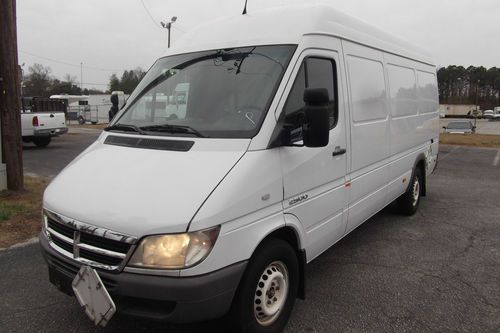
<point>42,142</point>
<point>273,268</point>
<point>408,203</point>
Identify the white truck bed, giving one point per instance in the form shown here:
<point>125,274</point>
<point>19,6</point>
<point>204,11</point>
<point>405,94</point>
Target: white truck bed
<point>40,127</point>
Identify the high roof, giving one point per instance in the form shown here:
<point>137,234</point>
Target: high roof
<point>288,25</point>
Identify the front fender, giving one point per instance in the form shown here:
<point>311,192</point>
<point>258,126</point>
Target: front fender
<point>239,238</point>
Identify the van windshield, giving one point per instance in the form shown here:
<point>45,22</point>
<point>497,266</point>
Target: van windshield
<point>220,93</point>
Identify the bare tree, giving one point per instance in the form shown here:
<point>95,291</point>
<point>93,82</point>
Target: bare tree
<point>38,80</point>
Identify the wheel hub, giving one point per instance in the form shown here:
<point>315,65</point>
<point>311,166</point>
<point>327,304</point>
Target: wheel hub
<point>271,293</point>
<point>416,191</point>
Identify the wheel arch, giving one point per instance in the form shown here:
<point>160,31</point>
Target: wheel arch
<point>420,163</point>
<point>290,235</point>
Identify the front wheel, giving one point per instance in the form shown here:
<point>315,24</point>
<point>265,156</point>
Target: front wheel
<point>267,292</point>
<point>409,201</point>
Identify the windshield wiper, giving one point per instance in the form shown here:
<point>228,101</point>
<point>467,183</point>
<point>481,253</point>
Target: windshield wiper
<point>173,129</point>
<point>124,127</point>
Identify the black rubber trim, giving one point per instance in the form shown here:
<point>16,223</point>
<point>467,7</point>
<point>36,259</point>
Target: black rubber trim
<point>421,159</point>
<point>302,271</point>
<point>157,144</point>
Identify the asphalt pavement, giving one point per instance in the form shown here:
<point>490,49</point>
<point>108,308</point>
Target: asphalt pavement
<point>49,161</point>
<point>437,271</point>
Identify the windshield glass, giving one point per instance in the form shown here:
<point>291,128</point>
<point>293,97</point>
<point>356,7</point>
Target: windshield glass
<point>219,93</point>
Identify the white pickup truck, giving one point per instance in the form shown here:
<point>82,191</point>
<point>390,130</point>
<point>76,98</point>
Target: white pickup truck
<point>496,114</point>
<point>40,126</point>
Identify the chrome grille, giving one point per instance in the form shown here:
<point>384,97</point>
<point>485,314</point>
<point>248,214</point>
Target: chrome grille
<point>87,244</point>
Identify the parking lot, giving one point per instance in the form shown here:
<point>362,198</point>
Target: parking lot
<point>49,161</point>
<point>484,126</point>
<point>437,271</point>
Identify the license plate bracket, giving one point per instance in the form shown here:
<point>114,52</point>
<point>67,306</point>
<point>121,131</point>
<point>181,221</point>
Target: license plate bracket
<point>60,281</point>
<point>93,296</point>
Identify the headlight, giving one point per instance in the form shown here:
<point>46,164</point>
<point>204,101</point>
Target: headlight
<point>174,251</point>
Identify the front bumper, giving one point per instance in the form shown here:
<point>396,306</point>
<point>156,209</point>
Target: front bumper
<point>50,132</point>
<point>173,299</point>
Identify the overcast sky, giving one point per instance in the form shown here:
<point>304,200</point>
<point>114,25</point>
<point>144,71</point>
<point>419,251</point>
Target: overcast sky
<point>109,36</point>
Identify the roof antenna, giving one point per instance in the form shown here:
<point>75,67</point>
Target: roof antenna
<point>245,9</point>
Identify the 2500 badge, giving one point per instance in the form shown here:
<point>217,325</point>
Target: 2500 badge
<point>298,199</point>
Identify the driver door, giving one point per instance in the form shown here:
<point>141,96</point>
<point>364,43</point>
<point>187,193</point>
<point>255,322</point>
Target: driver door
<point>315,189</point>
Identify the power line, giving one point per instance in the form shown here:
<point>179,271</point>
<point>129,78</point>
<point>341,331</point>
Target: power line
<point>71,64</point>
<point>176,27</point>
<point>149,14</point>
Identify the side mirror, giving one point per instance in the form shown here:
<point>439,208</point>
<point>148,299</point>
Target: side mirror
<point>316,128</point>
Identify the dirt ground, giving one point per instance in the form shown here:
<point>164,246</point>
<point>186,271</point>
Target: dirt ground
<point>21,212</point>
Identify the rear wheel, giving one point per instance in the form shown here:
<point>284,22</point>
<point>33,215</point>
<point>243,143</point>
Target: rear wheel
<point>42,142</point>
<point>409,201</point>
<point>267,292</point>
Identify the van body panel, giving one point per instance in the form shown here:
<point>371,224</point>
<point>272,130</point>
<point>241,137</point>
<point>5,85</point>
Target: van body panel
<point>322,218</point>
<point>296,21</point>
<point>400,169</point>
<point>246,216</point>
<point>181,182</point>
<point>369,125</point>
<point>259,174</point>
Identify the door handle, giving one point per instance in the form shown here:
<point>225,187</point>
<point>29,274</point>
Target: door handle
<point>339,151</point>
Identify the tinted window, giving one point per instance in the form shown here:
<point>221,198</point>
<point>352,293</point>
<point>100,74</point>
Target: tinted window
<point>313,73</point>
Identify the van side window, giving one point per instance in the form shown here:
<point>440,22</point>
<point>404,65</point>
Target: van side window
<point>368,90</point>
<point>313,73</point>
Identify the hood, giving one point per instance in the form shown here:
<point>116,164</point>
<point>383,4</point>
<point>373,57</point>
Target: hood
<point>142,191</point>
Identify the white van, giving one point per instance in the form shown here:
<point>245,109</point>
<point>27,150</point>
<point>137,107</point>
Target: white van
<point>300,123</point>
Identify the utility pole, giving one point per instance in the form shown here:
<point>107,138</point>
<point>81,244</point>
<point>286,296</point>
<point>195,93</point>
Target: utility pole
<point>168,26</point>
<point>81,78</point>
<point>477,101</point>
<point>10,89</point>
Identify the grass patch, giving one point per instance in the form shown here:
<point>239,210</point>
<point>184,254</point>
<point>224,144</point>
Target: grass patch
<point>8,209</point>
<point>476,140</point>
<point>20,212</point>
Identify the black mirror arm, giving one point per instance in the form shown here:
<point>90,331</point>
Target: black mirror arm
<point>286,130</point>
